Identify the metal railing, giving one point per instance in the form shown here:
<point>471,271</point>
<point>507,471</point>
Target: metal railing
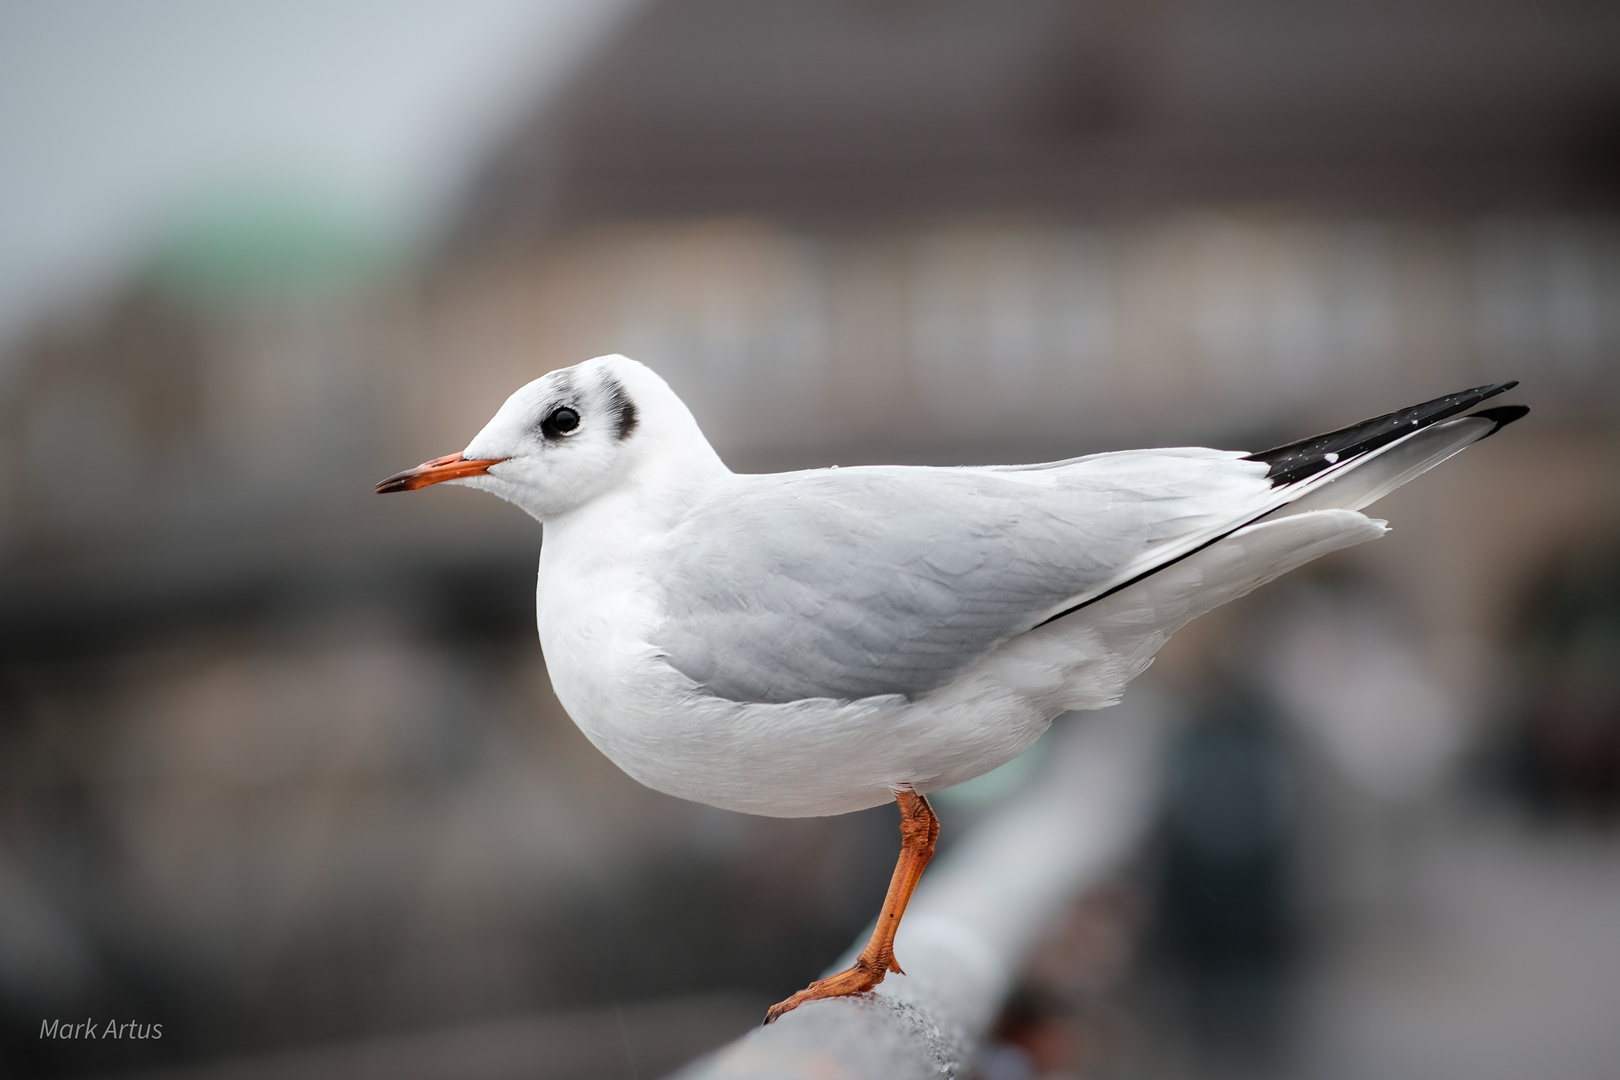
<point>975,918</point>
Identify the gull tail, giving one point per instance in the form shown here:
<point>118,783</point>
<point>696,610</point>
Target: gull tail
<point>1349,468</point>
<point>1354,466</point>
<point>1320,484</point>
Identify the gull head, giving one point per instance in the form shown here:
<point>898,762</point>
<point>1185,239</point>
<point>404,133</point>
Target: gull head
<point>573,435</point>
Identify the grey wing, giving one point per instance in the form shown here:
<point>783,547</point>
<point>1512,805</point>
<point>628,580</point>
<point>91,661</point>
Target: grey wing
<point>859,582</point>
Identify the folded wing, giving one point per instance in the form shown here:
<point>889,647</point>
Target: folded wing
<point>849,583</point>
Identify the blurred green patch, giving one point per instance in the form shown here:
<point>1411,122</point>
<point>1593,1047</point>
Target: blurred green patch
<point>265,244</point>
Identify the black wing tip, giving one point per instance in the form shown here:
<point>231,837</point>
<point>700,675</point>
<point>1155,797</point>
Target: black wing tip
<point>1305,458</point>
<point>1489,390</point>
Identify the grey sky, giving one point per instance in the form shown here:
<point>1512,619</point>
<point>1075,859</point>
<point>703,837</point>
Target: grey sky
<point>115,113</point>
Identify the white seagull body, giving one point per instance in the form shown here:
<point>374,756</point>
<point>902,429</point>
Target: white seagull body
<point>811,643</point>
<point>816,642</point>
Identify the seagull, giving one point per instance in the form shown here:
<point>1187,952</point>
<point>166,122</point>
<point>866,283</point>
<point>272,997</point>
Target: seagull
<point>808,643</point>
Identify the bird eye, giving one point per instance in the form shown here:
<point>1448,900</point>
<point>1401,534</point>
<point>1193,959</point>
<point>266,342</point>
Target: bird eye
<point>560,422</point>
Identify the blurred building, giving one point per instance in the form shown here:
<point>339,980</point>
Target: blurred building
<point>299,737</point>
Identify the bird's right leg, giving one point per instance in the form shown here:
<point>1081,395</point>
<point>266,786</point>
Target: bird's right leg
<point>919,829</point>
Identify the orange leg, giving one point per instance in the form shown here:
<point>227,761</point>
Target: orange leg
<point>919,828</point>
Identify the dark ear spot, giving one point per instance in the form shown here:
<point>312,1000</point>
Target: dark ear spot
<point>621,406</point>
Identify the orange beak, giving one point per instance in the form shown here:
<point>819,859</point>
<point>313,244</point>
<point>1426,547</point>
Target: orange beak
<point>453,467</point>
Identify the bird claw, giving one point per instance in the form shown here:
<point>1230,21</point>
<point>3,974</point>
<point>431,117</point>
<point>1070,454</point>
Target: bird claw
<point>857,979</point>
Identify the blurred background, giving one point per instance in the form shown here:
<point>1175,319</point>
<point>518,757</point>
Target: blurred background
<point>280,768</point>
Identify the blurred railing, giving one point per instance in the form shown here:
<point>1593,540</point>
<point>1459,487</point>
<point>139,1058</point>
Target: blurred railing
<point>975,919</point>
